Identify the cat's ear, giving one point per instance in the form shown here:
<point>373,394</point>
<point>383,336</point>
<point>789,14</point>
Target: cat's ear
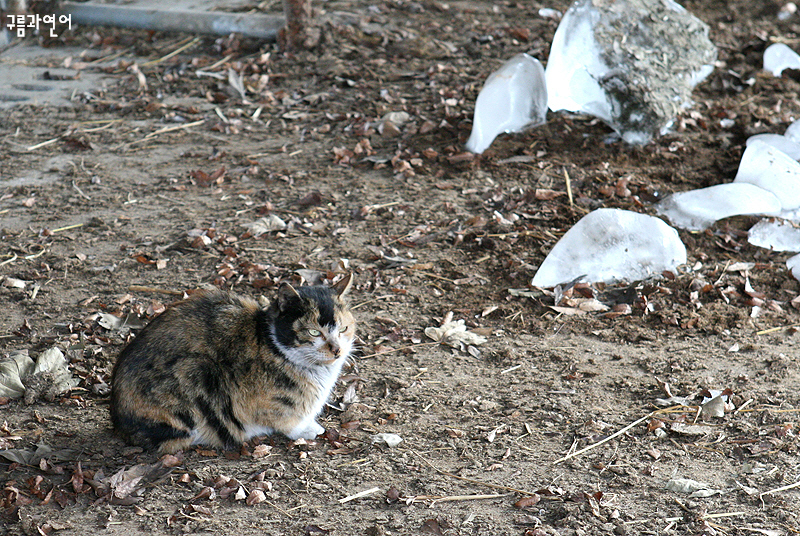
<point>286,293</point>
<point>343,286</point>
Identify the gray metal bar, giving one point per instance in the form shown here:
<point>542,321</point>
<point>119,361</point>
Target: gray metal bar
<point>206,22</point>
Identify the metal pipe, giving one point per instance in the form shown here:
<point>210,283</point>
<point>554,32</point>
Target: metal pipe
<point>205,22</point>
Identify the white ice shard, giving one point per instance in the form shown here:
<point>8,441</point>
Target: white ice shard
<point>697,210</point>
<point>778,57</point>
<point>793,264</point>
<point>772,170</point>
<point>793,132</point>
<point>513,98</point>
<point>612,245</point>
<point>777,235</point>
<point>632,63</point>
<point>782,143</point>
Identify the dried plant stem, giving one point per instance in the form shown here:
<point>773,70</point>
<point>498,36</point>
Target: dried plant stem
<point>359,495</point>
<point>140,288</point>
<point>173,128</point>
<point>281,510</point>
<point>472,480</point>
<point>674,519</point>
<point>190,44</point>
<point>108,124</point>
<point>387,296</point>
<point>78,189</point>
<point>393,350</point>
<point>569,187</point>
<point>453,498</point>
<point>741,408</point>
<point>67,228</point>
<point>782,488</point>
<point>609,438</point>
<point>43,144</point>
<point>773,330</point>
<point>217,64</point>
<point>111,56</point>
<point>35,255</point>
<point>9,261</point>
<point>430,275</point>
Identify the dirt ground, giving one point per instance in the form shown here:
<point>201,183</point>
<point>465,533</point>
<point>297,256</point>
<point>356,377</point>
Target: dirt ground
<point>119,215</point>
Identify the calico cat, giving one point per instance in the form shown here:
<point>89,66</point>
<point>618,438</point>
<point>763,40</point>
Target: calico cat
<point>218,369</point>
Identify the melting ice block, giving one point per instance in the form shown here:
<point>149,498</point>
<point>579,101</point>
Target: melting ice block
<point>793,132</point>
<point>697,210</point>
<point>632,63</point>
<point>513,98</point>
<point>776,235</point>
<point>772,170</point>
<point>778,57</point>
<point>793,264</point>
<point>610,245</point>
<point>782,143</point>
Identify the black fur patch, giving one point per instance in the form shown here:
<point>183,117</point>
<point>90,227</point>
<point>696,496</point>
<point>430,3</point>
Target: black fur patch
<point>285,400</point>
<point>281,379</point>
<point>151,432</point>
<point>323,297</point>
<point>186,418</point>
<point>214,421</point>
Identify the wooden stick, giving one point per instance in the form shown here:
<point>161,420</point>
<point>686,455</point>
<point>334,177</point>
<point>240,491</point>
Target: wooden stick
<point>359,495</point>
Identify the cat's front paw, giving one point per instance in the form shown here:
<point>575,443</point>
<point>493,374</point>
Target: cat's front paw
<point>309,431</point>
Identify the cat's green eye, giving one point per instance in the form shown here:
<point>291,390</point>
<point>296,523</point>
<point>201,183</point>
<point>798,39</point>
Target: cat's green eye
<point>314,332</point>
<point>342,329</point>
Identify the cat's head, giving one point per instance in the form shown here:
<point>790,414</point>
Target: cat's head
<point>313,325</point>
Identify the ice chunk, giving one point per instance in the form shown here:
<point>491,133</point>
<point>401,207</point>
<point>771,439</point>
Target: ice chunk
<point>632,63</point>
<point>793,132</point>
<point>772,170</point>
<point>782,143</point>
<point>777,235</point>
<point>778,57</point>
<point>513,98</point>
<point>697,210</point>
<point>793,264</point>
<point>611,245</point>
